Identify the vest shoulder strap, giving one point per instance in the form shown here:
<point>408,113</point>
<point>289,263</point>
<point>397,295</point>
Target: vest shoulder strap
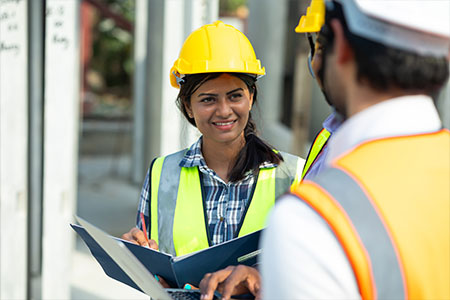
<point>317,146</point>
<point>165,179</point>
<point>361,231</point>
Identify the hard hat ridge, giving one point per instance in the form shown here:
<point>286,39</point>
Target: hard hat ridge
<point>213,48</point>
<point>314,18</point>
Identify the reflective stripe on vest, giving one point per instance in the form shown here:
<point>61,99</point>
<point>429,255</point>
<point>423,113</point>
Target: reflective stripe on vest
<point>181,213</point>
<point>391,214</point>
<point>380,272</point>
<point>316,148</point>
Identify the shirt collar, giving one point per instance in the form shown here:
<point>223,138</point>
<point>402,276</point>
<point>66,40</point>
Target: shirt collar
<point>405,115</point>
<point>194,157</point>
<point>332,122</point>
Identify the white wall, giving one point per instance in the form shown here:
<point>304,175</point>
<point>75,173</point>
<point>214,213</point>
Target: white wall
<point>13,149</point>
<point>62,86</point>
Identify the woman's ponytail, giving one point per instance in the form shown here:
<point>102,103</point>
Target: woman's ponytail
<point>253,154</point>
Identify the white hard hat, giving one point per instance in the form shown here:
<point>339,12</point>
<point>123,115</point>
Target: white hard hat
<point>420,26</point>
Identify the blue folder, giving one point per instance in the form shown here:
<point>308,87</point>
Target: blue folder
<point>178,271</point>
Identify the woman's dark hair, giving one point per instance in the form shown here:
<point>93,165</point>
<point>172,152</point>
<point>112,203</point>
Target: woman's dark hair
<point>385,67</point>
<point>256,151</point>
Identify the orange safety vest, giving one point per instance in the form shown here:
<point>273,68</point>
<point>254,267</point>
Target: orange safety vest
<point>388,203</point>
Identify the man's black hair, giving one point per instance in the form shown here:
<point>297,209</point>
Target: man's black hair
<point>385,68</point>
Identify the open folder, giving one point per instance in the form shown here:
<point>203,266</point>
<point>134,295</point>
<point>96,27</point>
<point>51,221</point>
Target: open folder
<point>135,269</point>
<point>178,271</point>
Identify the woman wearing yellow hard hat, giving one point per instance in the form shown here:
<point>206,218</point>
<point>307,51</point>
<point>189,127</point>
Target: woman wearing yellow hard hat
<point>224,185</point>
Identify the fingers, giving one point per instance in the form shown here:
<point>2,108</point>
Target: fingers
<point>189,286</point>
<point>206,286</point>
<point>152,244</point>
<point>138,237</point>
<point>163,282</point>
<point>243,279</point>
<point>211,281</point>
<point>128,237</point>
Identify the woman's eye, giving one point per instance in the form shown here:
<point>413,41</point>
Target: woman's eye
<point>236,96</point>
<point>207,100</point>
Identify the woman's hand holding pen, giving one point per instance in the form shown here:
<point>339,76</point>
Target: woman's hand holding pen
<point>138,237</point>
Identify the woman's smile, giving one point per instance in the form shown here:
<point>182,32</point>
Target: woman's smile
<point>224,125</point>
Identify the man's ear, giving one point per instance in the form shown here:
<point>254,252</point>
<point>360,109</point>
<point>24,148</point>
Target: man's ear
<point>341,47</point>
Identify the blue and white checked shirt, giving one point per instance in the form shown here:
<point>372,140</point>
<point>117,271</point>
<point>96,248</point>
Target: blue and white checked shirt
<point>225,202</point>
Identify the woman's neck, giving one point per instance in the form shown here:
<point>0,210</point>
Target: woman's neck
<point>221,157</point>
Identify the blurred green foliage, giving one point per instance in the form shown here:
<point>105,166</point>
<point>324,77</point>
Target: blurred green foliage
<point>112,56</point>
<point>228,7</point>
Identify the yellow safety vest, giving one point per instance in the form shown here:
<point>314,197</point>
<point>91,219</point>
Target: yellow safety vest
<point>388,203</point>
<point>177,214</point>
<point>315,149</point>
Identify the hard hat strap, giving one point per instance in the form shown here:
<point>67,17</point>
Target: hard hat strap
<point>259,76</point>
<point>311,71</point>
<point>312,45</point>
<point>179,78</point>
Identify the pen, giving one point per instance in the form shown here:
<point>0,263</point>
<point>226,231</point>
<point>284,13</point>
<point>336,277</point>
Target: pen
<point>144,228</point>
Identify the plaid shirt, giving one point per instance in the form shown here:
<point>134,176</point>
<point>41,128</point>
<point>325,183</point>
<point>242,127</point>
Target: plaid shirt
<point>225,202</point>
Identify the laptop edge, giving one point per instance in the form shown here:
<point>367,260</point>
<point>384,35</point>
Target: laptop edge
<point>127,261</point>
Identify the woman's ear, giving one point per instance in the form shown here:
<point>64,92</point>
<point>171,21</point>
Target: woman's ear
<point>251,95</point>
<point>187,107</point>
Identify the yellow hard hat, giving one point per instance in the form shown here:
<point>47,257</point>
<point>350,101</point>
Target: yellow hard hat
<point>215,48</point>
<point>314,18</point>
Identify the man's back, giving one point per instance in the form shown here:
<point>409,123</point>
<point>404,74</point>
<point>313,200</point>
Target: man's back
<point>393,217</point>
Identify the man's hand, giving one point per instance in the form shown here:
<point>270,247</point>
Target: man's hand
<point>138,237</point>
<point>234,280</point>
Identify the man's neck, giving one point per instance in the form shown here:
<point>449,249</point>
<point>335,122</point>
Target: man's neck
<point>362,96</point>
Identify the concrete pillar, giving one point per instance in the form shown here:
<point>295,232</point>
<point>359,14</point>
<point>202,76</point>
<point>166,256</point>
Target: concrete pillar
<point>62,100</point>
<point>13,149</point>
<point>139,95</point>
<point>172,40</point>
<point>267,33</point>
<point>159,31</point>
<point>36,18</point>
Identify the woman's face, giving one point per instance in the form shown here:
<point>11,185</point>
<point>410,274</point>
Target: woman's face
<point>221,107</point>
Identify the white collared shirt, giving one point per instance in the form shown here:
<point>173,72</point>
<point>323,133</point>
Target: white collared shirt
<point>301,257</point>
<point>398,116</point>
